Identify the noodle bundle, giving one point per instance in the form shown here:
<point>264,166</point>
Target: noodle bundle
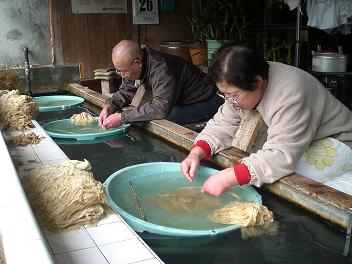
<point>17,111</point>
<point>65,196</point>
<point>243,214</point>
<point>82,119</point>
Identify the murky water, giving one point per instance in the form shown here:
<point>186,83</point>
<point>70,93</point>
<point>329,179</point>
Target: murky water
<point>168,199</point>
<point>301,238</point>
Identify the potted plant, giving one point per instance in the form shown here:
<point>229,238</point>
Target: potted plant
<point>217,21</point>
<point>197,48</point>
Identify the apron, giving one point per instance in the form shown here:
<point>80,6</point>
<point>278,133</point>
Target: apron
<point>328,161</point>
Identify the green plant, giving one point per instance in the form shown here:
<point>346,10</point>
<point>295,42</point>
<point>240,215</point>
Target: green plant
<point>279,50</point>
<point>217,19</point>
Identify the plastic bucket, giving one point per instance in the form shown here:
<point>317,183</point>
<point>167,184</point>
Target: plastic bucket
<point>156,174</point>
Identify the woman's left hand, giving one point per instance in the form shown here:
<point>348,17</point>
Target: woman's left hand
<point>217,183</point>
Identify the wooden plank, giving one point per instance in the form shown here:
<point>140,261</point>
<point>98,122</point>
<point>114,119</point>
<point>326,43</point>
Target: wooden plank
<point>83,41</point>
<point>68,33</point>
<point>324,208</point>
<point>55,32</point>
<point>142,96</point>
<point>88,94</point>
<point>112,35</point>
<point>251,133</point>
<point>96,31</point>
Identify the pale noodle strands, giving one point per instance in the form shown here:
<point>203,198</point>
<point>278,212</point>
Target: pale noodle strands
<point>243,214</point>
<point>17,111</point>
<point>65,196</point>
<point>26,139</point>
<point>82,119</point>
<point>186,200</point>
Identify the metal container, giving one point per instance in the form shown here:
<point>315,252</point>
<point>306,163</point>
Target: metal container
<point>331,62</point>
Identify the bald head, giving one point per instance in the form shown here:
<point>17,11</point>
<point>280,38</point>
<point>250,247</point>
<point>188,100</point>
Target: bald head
<point>126,50</point>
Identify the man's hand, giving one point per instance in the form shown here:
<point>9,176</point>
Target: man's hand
<point>105,112</point>
<point>217,183</point>
<point>190,164</point>
<point>114,120</point>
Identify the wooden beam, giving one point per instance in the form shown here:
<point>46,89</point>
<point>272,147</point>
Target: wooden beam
<point>251,133</point>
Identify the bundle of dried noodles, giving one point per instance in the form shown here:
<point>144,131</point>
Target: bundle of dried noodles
<point>82,119</point>
<point>65,196</point>
<point>242,214</point>
<point>26,139</point>
<point>17,111</point>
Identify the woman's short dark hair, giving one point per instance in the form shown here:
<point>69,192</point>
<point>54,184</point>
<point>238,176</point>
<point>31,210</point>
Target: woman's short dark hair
<point>238,65</point>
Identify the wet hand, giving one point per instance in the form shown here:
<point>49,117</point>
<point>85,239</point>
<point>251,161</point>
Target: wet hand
<point>190,164</point>
<point>113,120</point>
<point>217,183</point>
<point>105,112</point>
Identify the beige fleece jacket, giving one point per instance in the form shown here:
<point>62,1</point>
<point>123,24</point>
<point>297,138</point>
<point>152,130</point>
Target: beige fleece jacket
<point>297,110</point>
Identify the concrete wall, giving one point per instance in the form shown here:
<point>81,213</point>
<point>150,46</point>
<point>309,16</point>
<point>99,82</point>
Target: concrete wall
<point>24,23</point>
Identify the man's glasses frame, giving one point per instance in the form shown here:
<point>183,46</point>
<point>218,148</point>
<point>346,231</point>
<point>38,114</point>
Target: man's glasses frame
<point>121,72</point>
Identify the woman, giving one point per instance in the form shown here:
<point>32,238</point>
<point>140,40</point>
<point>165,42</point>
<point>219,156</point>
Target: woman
<point>295,106</point>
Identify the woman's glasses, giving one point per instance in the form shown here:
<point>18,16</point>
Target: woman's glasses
<point>233,100</point>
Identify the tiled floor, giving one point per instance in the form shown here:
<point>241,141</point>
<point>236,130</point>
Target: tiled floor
<point>111,241</point>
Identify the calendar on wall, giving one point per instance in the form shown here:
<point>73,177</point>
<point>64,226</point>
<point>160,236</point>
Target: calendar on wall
<point>145,11</point>
<point>99,6</point>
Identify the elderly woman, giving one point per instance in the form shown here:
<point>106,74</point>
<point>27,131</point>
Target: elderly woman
<point>309,130</point>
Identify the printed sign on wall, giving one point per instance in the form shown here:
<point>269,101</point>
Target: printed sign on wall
<point>145,11</point>
<point>99,6</point>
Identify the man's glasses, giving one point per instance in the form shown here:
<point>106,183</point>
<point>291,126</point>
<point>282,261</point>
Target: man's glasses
<point>233,100</point>
<point>122,73</point>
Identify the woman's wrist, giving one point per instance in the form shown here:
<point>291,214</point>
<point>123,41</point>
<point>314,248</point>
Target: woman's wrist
<point>197,151</point>
<point>204,146</point>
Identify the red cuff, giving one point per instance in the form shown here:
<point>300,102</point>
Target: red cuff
<point>205,147</point>
<point>242,174</point>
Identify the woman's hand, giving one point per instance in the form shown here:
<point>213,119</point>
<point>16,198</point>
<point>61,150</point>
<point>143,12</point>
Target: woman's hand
<point>217,183</point>
<point>190,164</point>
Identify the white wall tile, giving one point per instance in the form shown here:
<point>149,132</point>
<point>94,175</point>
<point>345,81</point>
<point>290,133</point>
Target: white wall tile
<point>127,251</point>
<point>109,233</point>
<point>14,133</point>
<point>49,153</point>
<point>58,161</point>
<point>109,219</point>
<point>83,256</point>
<point>70,241</point>
<point>44,142</point>
<point>22,151</point>
<point>25,160</point>
<point>150,261</point>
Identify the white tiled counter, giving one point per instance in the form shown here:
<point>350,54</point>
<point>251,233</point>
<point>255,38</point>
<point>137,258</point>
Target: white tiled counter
<point>111,241</point>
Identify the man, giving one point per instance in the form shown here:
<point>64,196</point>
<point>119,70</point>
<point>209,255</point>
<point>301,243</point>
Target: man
<point>180,91</point>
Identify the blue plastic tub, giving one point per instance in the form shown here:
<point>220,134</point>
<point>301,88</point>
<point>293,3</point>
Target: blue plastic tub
<point>64,129</point>
<point>153,178</point>
<point>57,102</point>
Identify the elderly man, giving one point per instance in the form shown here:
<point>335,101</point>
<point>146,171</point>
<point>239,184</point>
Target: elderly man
<point>180,91</point>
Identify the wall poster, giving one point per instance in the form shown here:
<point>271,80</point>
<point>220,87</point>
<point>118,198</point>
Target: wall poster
<point>99,6</point>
